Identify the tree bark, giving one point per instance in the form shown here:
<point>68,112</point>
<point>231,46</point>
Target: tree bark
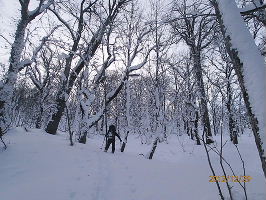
<point>39,118</point>
<point>232,123</point>
<point>154,146</point>
<point>53,123</point>
<point>203,97</point>
<point>8,84</point>
<point>7,88</point>
<point>196,128</point>
<point>238,67</point>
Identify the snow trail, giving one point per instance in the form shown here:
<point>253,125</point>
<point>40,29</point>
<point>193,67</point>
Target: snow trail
<point>40,166</point>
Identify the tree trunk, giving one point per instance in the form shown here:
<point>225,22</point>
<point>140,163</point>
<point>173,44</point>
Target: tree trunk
<point>154,146</point>
<point>39,118</point>
<point>124,142</point>
<point>214,122</point>
<point>83,138</point>
<point>232,123</point>
<point>53,123</point>
<point>196,128</point>
<point>8,83</point>
<point>238,67</point>
<point>203,97</point>
<point>6,90</point>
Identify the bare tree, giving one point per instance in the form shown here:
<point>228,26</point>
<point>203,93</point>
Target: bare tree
<point>257,121</point>
<point>70,77</point>
<point>197,31</point>
<point>15,62</point>
<point>42,81</point>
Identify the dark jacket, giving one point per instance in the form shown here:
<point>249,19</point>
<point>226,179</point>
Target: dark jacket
<point>110,135</point>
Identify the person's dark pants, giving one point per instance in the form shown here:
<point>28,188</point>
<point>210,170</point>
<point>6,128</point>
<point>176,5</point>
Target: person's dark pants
<point>108,143</point>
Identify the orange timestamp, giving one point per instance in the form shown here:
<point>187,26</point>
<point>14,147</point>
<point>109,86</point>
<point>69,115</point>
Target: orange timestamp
<point>230,178</point>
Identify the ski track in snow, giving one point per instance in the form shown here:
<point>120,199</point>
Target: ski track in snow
<point>103,178</point>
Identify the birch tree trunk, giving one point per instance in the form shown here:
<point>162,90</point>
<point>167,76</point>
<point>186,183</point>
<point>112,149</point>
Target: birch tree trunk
<point>15,64</point>
<point>7,87</point>
<point>253,96</point>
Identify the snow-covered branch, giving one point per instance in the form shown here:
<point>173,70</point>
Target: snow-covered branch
<point>28,62</point>
<point>41,8</point>
<point>140,65</point>
<point>70,29</point>
<point>251,8</point>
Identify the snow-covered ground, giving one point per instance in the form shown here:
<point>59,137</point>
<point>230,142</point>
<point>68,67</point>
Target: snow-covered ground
<point>39,166</point>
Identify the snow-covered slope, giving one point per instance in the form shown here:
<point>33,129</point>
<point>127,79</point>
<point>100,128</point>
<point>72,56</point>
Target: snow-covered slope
<point>38,166</point>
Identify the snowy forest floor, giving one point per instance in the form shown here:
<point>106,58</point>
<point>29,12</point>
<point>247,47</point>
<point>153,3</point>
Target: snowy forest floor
<point>39,166</point>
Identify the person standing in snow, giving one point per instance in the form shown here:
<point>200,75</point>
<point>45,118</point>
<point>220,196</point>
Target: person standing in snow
<point>110,138</point>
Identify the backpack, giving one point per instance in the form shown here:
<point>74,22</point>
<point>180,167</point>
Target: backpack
<point>109,135</point>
